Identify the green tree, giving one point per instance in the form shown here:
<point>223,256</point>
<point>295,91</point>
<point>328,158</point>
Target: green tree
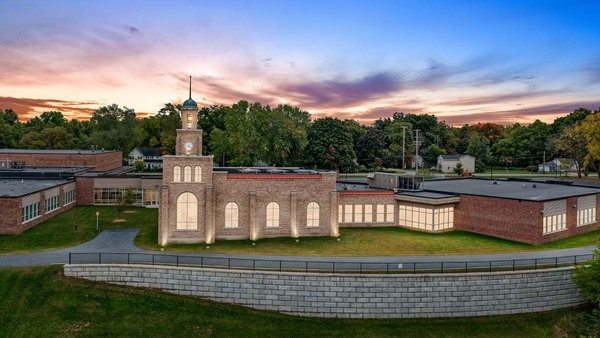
<point>590,128</point>
<point>458,169</point>
<point>10,128</point>
<point>125,199</point>
<point>139,165</point>
<point>432,153</point>
<point>114,128</point>
<point>479,147</point>
<point>572,144</point>
<point>370,146</point>
<point>330,145</point>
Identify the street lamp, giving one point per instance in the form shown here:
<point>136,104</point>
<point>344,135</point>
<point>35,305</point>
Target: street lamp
<point>97,214</point>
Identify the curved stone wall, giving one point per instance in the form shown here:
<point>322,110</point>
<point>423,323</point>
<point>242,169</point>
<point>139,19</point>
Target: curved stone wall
<point>355,296</point>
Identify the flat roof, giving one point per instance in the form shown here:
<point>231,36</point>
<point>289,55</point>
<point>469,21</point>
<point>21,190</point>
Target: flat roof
<point>520,190</point>
<point>18,187</point>
<point>351,186</point>
<point>55,151</point>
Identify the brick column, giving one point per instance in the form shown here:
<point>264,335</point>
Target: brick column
<point>294,214</point>
<point>252,212</point>
<point>209,215</point>
<point>335,226</point>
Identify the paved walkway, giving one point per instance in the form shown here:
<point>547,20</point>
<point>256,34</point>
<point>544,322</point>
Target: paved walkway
<point>121,241</point>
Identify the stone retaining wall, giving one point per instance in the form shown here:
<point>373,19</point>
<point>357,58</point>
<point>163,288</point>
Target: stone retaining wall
<point>355,296</point>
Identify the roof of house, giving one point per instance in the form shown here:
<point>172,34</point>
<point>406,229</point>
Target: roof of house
<point>451,157</point>
<point>149,151</point>
<point>55,151</point>
<point>510,189</point>
<point>22,187</point>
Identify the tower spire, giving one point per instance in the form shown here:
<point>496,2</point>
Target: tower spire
<point>190,86</point>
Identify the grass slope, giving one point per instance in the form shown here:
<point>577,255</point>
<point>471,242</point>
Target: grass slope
<point>59,232</point>
<point>41,302</point>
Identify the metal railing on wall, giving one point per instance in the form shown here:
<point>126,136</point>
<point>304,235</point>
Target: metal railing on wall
<point>328,267</point>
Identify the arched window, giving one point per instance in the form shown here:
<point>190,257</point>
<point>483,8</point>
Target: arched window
<point>273,215</point>
<point>187,173</point>
<point>187,212</point>
<point>197,174</point>
<point>176,173</point>
<point>231,215</point>
<point>312,214</point>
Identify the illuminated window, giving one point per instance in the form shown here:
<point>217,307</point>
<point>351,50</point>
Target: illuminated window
<point>368,213</point>
<point>176,173</point>
<point>312,214</point>
<point>272,215</point>
<point>389,213</point>
<point>555,216</point>
<point>586,210</point>
<point>197,174</point>
<point>380,213</point>
<point>348,213</point>
<point>340,213</point>
<point>358,213</point>
<point>187,212</point>
<point>231,215</point>
<point>187,173</point>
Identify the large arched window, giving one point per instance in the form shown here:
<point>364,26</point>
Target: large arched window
<point>187,212</point>
<point>231,215</point>
<point>272,215</point>
<point>176,173</point>
<point>187,173</point>
<point>312,214</point>
<point>197,173</point>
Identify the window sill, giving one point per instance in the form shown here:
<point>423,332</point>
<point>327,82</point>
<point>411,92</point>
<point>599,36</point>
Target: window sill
<point>555,232</point>
<point>582,225</point>
<point>185,230</point>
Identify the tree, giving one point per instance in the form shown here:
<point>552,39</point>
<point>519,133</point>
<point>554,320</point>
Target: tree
<point>458,168</point>
<point>432,153</point>
<point>114,127</point>
<point>139,165</point>
<point>590,128</point>
<point>10,128</point>
<point>125,199</point>
<point>572,144</point>
<point>479,147</point>
<point>370,146</point>
<point>587,278</point>
<point>330,145</point>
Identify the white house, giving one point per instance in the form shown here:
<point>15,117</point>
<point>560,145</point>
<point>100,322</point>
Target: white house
<point>152,157</point>
<point>563,164</point>
<point>446,163</point>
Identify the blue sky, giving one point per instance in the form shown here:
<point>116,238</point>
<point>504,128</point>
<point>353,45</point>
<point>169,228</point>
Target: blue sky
<point>464,61</point>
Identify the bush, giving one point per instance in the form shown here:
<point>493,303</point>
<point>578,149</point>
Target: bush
<point>532,168</point>
<point>479,166</point>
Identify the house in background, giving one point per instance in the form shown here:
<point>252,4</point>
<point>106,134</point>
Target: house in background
<point>152,157</point>
<point>446,163</point>
<point>563,164</point>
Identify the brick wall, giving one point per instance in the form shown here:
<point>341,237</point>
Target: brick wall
<point>101,161</point>
<point>85,190</point>
<point>513,219</point>
<point>11,213</point>
<point>368,198</point>
<point>355,296</point>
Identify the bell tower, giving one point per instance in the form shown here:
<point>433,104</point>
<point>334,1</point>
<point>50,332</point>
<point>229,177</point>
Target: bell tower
<point>189,138</point>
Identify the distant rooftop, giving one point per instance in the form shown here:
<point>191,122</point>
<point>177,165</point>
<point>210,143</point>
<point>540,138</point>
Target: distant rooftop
<point>521,190</point>
<point>22,187</point>
<point>55,151</point>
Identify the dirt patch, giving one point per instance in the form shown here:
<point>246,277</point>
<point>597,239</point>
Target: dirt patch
<point>119,220</point>
<point>129,212</point>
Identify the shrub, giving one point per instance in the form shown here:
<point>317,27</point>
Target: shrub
<point>532,168</point>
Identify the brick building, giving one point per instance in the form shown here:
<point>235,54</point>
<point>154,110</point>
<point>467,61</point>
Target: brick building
<point>96,160</point>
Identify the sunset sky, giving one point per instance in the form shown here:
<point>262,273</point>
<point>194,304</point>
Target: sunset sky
<point>464,61</point>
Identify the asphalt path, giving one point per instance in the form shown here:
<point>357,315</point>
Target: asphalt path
<point>117,246</point>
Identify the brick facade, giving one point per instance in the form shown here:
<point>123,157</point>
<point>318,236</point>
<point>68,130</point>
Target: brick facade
<point>100,161</point>
<point>514,219</point>
<point>11,212</point>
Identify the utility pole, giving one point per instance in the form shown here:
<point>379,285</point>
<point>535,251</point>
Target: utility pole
<point>544,164</point>
<point>417,151</point>
<point>403,146</point>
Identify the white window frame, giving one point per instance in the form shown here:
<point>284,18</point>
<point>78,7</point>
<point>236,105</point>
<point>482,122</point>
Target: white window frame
<point>272,215</point>
<point>313,214</point>
<point>231,215</point>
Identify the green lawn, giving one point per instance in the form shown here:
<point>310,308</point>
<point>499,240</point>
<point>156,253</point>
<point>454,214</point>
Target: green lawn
<point>59,232</point>
<point>41,302</point>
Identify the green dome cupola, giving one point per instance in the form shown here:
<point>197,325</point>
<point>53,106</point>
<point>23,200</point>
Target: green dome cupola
<point>190,104</point>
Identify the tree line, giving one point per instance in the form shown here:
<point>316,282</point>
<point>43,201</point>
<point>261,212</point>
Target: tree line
<point>247,134</point>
